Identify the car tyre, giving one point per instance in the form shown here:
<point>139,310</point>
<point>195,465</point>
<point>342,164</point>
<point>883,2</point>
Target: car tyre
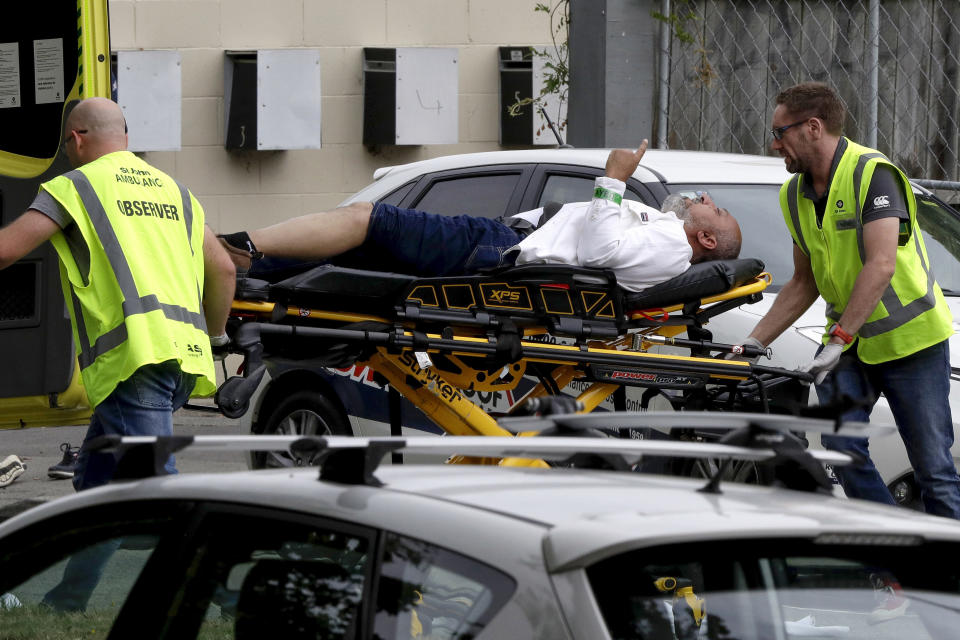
<point>303,413</point>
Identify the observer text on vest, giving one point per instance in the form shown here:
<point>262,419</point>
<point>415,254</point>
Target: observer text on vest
<point>149,209</point>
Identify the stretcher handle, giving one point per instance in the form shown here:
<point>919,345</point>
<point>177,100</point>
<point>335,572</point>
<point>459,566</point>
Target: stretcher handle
<point>744,350</point>
<point>801,376</point>
<point>750,351</point>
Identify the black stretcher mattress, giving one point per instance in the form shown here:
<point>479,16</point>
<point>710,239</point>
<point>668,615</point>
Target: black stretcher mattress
<point>512,290</point>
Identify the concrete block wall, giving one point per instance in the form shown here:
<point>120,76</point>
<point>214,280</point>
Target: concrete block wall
<point>242,190</point>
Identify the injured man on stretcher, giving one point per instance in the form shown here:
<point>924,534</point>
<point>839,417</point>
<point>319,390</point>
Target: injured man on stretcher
<point>641,245</point>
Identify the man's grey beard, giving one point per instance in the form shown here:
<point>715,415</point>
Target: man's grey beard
<point>675,202</point>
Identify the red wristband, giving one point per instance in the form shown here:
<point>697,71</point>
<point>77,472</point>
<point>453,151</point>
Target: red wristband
<point>837,331</point>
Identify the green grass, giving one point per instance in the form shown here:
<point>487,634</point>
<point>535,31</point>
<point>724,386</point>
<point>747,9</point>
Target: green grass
<point>40,623</point>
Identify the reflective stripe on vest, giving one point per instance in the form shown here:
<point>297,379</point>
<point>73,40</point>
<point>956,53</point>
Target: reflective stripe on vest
<point>898,314</point>
<point>133,303</point>
<point>792,189</point>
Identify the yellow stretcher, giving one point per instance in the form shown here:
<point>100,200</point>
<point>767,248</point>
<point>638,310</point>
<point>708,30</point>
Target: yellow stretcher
<point>433,338</point>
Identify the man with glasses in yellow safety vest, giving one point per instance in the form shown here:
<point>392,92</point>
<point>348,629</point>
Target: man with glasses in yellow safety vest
<point>853,218</point>
<point>144,278</point>
<point>148,287</point>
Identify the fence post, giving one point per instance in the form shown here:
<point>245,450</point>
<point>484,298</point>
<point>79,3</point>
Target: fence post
<point>873,90</point>
<point>588,86</point>
<point>663,77</point>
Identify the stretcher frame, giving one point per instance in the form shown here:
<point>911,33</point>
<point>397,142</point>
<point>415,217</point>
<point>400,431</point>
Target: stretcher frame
<point>402,350</point>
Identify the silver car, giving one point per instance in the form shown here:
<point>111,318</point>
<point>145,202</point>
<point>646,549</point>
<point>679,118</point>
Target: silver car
<point>451,551</point>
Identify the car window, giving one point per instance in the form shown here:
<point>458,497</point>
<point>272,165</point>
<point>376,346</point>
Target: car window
<point>564,188</point>
<point>56,586</point>
<point>260,574</point>
<point>485,195</point>
<point>757,590</point>
<point>940,227</point>
<point>397,195</point>
<point>428,592</point>
<point>63,596</point>
<point>226,571</point>
<point>757,208</point>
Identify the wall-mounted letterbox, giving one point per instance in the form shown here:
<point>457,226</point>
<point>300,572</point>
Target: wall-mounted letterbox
<point>516,85</point>
<point>410,96</point>
<point>272,99</point>
<point>150,98</point>
<point>521,80</point>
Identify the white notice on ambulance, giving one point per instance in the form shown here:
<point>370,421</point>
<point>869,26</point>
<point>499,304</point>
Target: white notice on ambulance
<point>48,70</point>
<point>9,75</point>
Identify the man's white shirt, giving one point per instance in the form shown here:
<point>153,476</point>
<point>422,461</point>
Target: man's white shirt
<point>642,245</point>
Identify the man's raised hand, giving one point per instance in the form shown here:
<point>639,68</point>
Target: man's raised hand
<point>621,163</point>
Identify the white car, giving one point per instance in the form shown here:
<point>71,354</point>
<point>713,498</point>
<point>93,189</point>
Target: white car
<point>424,552</point>
<point>294,399</point>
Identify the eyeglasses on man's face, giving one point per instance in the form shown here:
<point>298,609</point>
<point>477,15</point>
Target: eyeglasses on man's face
<point>778,131</point>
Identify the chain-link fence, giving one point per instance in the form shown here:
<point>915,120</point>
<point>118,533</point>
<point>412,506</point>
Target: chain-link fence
<point>895,63</point>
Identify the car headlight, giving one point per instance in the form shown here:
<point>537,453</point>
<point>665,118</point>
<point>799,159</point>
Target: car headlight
<point>814,334</point>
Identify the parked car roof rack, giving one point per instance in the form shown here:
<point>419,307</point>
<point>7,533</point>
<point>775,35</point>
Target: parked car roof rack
<point>352,460</point>
<point>701,420</point>
<point>793,465</point>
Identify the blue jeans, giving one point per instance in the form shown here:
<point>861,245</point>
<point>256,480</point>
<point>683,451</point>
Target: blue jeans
<point>141,405</point>
<point>429,244</point>
<point>917,388</point>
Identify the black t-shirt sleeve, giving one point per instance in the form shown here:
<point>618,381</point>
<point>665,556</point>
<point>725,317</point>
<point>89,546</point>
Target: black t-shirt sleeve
<point>50,207</point>
<point>885,197</point>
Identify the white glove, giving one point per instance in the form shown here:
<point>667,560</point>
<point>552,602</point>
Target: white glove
<point>749,342</point>
<point>219,341</point>
<point>824,362</point>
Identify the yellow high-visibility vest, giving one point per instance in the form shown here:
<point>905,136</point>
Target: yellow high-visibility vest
<point>134,288</point>
<point>912,313</point>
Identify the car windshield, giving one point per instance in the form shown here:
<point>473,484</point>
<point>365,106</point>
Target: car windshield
<point>940,226</point>
<point>761,589</point>
<point>757,208</point>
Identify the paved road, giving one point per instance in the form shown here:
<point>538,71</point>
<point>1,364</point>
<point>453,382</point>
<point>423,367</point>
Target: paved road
<point>39,447</point>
